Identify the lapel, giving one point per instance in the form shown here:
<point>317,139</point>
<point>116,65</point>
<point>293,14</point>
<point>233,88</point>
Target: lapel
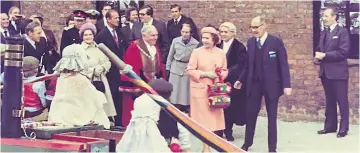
<point>322,41</point>
<point>252,50</point>
<point>182,20</point>
<point>154,22</point>
<point>110,35</point>
<point>264,47</point>
<point>221,45</point>
<point>330,36</point>
<point>230,48</point>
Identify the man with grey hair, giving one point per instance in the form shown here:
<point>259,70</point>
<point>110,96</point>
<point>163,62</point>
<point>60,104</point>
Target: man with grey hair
<point>144,56</point>
<point>236,59</point>
<point>266,74</point>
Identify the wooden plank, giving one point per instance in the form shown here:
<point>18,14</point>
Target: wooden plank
<point>44,144</point>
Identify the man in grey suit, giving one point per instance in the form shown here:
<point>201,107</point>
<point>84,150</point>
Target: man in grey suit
<point>331,54</point>
<point>146,16</point>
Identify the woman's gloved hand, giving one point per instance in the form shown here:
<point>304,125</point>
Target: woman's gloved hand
<point>209,74</point>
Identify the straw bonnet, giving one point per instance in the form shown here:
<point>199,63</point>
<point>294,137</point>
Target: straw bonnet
<point>74,58</point>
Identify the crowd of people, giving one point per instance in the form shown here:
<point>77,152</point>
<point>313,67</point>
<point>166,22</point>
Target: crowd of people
<point>178,61</point>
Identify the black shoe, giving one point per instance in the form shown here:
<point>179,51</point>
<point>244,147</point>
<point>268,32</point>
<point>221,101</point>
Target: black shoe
<point>341,134</point>
<point>117,128</point>
<point>272,151</point>
<point>230,138</point>
<point>325,131</point>
<point>245,147</point>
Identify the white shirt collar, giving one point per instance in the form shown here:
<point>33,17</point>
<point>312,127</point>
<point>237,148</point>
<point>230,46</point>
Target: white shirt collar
<point>332,27</point>
<point>226,45</point>
<point>14,24</point>
<point>150,22</point>
<point>230,41</point>
<point>263,38</point>
<point>32,42</point>
<point>131,25</point>
<point>105,22</point>
<point>151,49</point>
<point>178,19</point>
<point>2,30</point>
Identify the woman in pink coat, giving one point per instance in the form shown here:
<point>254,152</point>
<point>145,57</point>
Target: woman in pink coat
<point>201,70</point>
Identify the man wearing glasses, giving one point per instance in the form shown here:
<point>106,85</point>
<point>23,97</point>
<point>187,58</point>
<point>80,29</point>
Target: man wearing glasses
<point>265,74</point>
<point>146,16</point>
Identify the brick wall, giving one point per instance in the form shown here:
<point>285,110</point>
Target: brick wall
<point>55,12</point>
<point>290,20</point>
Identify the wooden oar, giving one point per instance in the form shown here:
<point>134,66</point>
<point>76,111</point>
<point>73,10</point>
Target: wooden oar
<point>199,131</point>
<point>37,79</point>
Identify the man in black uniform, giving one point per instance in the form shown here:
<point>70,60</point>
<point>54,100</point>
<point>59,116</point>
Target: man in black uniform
<point>71,36</point>
<point>92,16</point>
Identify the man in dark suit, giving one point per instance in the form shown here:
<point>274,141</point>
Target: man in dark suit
<point>15,20</point>
<point>32,46</point>
<point>111,37</point>
<point>4,31</point>
<point>236,59</point>
<point>132,17</point>
<point>100,24</point>
<point>48,42</point>
<point>331,54</point>
<point>266,74</point>
<point>146,16</point>
<point>174,25</point>
<point>71,36</point>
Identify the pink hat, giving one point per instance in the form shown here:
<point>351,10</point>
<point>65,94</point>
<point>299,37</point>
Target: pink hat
<point>211,30</point>
<point>87,26</point>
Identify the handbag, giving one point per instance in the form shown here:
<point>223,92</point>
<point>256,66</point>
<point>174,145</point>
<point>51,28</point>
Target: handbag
<point>99,85</point>
<point>219,92</point>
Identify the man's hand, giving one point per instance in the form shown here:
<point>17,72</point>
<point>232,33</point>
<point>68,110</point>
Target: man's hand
<point>237,85</point>
<point>316,61</point>
<point>319,55</point>
<point>126,69</point>
<point>287,91</point>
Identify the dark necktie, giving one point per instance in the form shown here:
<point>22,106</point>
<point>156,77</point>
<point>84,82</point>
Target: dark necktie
<point>259,43</point>
<point>186,41</point>
<point>176,22</point>
<point>115,38</point>
<point>327,34</point>
<point>5,33</point>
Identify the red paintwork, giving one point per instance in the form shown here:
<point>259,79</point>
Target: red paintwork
<point>31,99</point>
<point>46,144</point>
<point>74,138</point>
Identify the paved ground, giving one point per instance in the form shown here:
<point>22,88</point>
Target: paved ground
<point>297,137</point>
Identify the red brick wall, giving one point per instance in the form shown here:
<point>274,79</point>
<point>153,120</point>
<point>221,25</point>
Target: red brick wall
<point>55,12</point>
<point>290,20</point>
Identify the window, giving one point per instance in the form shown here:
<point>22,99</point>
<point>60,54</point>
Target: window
<point>348,17</point>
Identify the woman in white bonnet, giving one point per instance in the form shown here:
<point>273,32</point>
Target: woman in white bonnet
<point>76,101</point>
<point>142,134</point>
